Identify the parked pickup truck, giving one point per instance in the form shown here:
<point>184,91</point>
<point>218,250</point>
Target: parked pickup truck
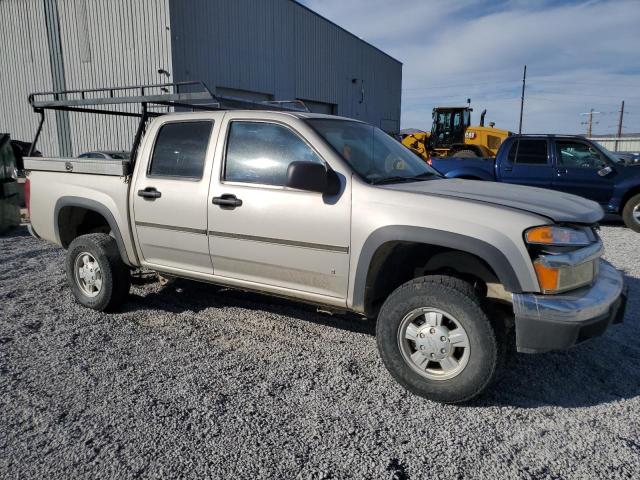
<point>569,164</point>
<point>334,212</point>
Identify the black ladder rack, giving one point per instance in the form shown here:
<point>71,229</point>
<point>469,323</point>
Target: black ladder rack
<point>194,95</point>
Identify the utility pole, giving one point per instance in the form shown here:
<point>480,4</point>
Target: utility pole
<point>524,80</point>
<point>589,123</point>
<point>615,149</point>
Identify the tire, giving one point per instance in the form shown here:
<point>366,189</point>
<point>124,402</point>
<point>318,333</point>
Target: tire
<point>631,213</point>
<point>459,306</point>
<point>466,153</point>
<point>103,288</point>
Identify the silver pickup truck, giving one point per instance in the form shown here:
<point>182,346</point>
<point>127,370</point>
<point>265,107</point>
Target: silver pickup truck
<point>334,212</point>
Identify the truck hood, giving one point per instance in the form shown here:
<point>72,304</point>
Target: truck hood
<point>557,206</point>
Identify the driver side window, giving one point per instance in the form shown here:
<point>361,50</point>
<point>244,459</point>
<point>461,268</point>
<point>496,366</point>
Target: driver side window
<point>260,152</point>
<point>578,155</point>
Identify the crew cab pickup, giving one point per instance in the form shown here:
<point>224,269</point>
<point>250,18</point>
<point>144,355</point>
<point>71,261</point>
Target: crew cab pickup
<point>569,164</point>
<point>333,212</point>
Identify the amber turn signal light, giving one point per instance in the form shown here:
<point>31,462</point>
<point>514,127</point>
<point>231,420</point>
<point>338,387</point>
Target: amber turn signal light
<point>547,277</point>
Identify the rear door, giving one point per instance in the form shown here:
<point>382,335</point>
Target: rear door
<point>275,235</point>
<point>577,167</point>
<point>169,196</point>
<point>528,163</point>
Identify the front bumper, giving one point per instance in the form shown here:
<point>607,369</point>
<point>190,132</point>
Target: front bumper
<point>557,322</point>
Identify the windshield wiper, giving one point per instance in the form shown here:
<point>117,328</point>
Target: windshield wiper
<point>394,179</point>
<point>423,175</point>
<point>398,178</point>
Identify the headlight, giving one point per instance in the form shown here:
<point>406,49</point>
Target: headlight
<point>559,267</point>
<point>557,236</point>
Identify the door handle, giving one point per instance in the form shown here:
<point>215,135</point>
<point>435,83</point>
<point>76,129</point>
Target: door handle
<point>508,169</point>
<point>561,171</point>
<point>149,192</point>
<point>227,201</point>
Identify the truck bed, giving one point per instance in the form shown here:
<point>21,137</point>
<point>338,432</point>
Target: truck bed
<point>77,183</point>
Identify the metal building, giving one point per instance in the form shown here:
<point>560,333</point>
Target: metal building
<point>628,142</point>
<point>252,49</point>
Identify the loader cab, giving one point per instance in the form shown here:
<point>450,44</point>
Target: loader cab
<point>449,126</point>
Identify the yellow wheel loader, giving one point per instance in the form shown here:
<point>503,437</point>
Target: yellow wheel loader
<point>453,136</point>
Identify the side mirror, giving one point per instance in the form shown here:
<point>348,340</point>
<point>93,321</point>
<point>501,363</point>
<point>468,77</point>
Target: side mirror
<point>312,177</point>
<point>603,172</point>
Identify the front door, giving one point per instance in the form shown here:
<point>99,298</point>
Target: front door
<point>170,197</point>
<point>528,163</point>
<point>577,167</point>
<point>265,233</point>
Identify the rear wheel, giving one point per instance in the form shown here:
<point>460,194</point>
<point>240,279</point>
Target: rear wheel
<point>98,277</point>
<point>631,213</point>
<point>436,340</point>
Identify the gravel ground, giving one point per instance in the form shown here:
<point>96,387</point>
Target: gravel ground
<point>191,381</point>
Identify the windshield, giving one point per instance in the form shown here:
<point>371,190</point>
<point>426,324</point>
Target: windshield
<point>373,154</point>
<point>611,156</point>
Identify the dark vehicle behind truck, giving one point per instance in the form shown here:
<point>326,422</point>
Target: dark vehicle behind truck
<point>569,164</point>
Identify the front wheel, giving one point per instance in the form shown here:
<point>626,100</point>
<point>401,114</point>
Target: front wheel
<point>98,277</point>
<point>436,341</point>
<point>631,213</point>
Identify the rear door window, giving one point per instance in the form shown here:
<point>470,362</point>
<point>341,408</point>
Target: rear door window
<point>529,152</point>
<point>180,150</point>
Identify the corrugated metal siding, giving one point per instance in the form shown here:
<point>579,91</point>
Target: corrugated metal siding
<point>623,144</point>
<point>280,48</point>
<point>127,43</point>
<point>24,68</point>
<point>103,44</point>
<point>277,47</point>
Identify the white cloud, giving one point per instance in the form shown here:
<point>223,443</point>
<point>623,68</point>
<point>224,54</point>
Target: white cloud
<point>580,55</point>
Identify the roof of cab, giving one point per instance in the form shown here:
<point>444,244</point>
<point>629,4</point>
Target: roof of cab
<point>292,113</point>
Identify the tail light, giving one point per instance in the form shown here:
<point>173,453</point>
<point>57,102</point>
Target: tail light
<point>27,195</point>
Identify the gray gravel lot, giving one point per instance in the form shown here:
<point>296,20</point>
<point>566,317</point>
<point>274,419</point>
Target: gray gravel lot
<point>192,381</point>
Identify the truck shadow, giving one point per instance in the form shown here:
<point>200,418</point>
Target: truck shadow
<point>184,295</point>
<point>602,370</point>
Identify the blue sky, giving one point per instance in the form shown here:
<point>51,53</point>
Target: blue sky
<point>579,55</point>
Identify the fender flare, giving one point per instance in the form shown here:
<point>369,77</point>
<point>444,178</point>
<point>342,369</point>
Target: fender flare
<point>469,172</point>
<point>487,252</point>
<point>96,207</point>
<point>625,190</point>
